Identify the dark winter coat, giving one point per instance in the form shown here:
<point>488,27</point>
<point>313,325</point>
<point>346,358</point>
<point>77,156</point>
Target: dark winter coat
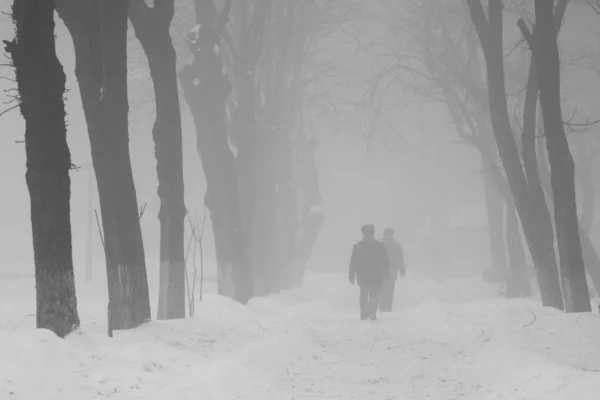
<point>369,263</point>
<point>396,257</point>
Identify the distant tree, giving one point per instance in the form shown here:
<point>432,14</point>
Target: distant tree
<point>206,88</point>
<point>534,217</point>
<point>534,154</point>
<point>443,66</point>
<point>268,55</point>
<point>543,43</point>
<point>152,28</point>
<point>41,86</point>
<point>255,166</point>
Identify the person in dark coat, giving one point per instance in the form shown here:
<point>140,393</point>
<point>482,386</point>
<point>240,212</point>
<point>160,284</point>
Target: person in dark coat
<point>369,266</point>
<point>397,268</point>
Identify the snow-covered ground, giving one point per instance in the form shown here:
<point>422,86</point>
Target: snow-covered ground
<point>451,340</point>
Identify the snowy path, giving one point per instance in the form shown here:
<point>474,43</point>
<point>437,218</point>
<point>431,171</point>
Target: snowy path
<point>387,359</point>
<point>310,345</point>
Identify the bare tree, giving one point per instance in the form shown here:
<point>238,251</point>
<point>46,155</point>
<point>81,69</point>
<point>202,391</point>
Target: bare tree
<point>534,217</point>
<point>436,55</point>
<point>562,167</point>
<point>126,265</point>
<point>41,85</point>
<point>99,35</point>
<point>206,89</point>
<point>255,172</point>
<point>152,28</point>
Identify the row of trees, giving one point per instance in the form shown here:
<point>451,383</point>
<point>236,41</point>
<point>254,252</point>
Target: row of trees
<point>455,53</point>
<point>245,87</point>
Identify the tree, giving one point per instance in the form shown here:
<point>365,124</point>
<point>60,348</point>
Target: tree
<point>255,173</point>
<point>206,89</point>
<point>99,33</point>
<point>151,25</point>
<point>126,265</point>
<point>534,217</point>
<point>41,85</point>
<point>562,167</point>
<point>436,55</point>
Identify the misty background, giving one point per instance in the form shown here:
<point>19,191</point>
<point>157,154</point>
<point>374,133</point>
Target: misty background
<point>406,169</point>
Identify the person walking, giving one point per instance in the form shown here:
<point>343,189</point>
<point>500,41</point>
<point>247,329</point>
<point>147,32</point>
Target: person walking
<point>397,268</point>
<point>369,266</point>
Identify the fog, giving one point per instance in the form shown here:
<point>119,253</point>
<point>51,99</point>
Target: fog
<point>408,174</point>
<point>407,169</point>
<point>471,302</point>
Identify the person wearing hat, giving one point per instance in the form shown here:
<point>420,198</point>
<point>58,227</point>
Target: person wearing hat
<point>369,266</point>
<point>397,268</point>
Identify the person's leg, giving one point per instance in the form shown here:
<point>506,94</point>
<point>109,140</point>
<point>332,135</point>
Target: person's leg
<point>374,299</point>
<point>364,302</point>
<point>386,302</point>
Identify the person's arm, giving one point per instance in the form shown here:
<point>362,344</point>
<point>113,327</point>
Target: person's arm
<point>352,267</point>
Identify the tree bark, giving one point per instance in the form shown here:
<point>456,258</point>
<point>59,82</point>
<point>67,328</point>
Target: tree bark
<point>489,30</point>
<point>206,89</point>
<point>151,27</point>
<point>41,84</point>
<point>562,166</point>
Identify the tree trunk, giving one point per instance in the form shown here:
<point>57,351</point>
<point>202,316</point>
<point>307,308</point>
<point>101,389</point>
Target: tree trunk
<point>588,191</point>
<point>206,89</point>
<point>41,84</point>
<point>152,30</point>
<point>265,234</point>
<point>517,285</point>
<point>590,255</point>
<point>562,166</point>
<point>495,210</point>
<point>100,41</point>
<point>288,202</point>
<point>490,30</point>
<point>89,245</point>
<point>255,188</point>
<point>312,219</point>
<point>126,265</point>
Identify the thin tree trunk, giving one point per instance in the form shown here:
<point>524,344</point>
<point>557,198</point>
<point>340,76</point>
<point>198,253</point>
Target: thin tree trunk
<point>490,30</point>
<point>41,84</point>
<point>495,210</point>
<point>89,250</point>
<point>588,191</point>
<point>517,284</point>
<point>562,166</point>
<point>206,89</point>
<point>312,218</point>
<point>152,30</point>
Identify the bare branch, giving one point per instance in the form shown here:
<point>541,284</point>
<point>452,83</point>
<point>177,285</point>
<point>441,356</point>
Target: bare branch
<point>8,110</point>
